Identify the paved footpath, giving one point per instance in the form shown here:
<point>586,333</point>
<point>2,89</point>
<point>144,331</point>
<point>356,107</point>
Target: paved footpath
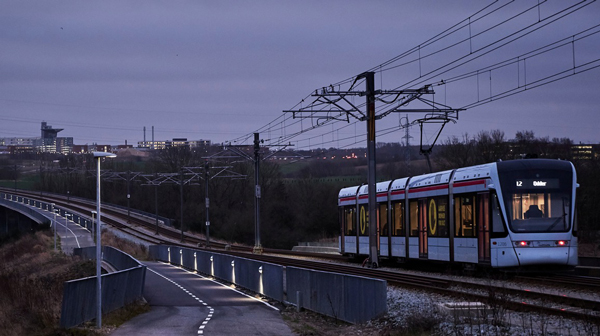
<point>71,234</point>
<point>184,303</point>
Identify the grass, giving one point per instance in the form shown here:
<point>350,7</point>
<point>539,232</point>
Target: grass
<point>32,277</point>
<point>120,316</point>
<point>137,251</point>
<point>25,185</point>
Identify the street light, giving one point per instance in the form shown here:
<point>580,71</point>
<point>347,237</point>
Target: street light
<point>66,223</point>
<point>98,156</point>
<point>93,230</point>
<point>54,212</point>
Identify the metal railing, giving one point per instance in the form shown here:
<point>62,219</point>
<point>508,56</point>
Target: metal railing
<point>118,289</point>
<point>349,298</point>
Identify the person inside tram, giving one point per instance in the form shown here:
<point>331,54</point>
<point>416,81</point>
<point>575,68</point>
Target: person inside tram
<point>384,231</point>
<point>534,212</point>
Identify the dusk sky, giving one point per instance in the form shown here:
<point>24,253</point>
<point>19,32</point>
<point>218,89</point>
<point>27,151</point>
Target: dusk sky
<point>216,70</point>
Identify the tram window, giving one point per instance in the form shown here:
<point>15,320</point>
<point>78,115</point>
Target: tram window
<point>398,219</point>
<point>437,208</point>
<point>539,212</point>
<point>464,216</point>
<point>383,219</point>
<point>414,218</point>
<point>575,223</point>
<point>342,220</point>
<point>498,227</point>
<point>350,220</point>
<point>363,220</point>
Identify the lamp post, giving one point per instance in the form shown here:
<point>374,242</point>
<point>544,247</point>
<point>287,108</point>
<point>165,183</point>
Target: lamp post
<point>54,212</point>
<point>66,223</point>
<point>98,156</point>
<point>93,230</point>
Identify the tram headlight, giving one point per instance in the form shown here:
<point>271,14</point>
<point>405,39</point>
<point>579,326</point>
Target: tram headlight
<point>562,243</point>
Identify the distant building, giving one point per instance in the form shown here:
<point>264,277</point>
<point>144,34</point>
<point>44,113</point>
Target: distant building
<point>18,141</point>
<point>175,142</point>
<point>49,142</point>
<point>100,148</point>
<point>80,149</point>
<point>585,152</point>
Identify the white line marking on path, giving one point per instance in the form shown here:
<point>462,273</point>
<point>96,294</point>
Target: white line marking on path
<point>211,310</point>
<point>66,225</point>
<point>226,286</point>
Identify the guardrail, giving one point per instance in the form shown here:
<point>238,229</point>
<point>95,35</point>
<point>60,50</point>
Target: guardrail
<point>82,220</point>
<point>349,298</point>
<point>345,297</point>
<point>25,210</point>
<point>118,289</point>
<point>259,277</point>
<point>23,204</point>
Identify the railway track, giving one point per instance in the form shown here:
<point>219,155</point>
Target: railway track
<point>520,299</point>
<point>511,298</point>
<point>566,280</point>
<point>145,228</point>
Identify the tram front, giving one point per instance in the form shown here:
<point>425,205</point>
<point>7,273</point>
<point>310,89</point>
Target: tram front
<point>538,197</point>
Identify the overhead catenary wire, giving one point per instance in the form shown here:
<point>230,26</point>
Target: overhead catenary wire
<point>441,74</point>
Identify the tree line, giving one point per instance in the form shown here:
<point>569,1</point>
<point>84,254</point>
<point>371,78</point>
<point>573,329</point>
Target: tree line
<point>299,201</point>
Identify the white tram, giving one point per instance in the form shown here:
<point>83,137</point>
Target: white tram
<point>507,214</point>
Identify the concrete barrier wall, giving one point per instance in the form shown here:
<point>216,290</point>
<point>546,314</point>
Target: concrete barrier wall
<point>25,210</point>
<point>118,288</point>
<point>346,297</point>
<point>259,277</point>
<point>83,220</point>
<point>22,204</point>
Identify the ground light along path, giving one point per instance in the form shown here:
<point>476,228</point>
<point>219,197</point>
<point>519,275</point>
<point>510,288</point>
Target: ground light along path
<point>185,303</point>
<point>210,309</point>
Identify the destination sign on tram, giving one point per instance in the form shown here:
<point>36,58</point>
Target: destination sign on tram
<point>540,183</point>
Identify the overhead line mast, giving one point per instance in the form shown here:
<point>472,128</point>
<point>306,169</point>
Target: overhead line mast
<point>337,109</point>
<point>238,153</point>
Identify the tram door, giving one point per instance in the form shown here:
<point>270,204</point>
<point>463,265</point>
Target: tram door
<point>423,228</point>
<point>483,229</point>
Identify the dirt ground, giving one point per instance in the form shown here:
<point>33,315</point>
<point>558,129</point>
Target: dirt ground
<point>307,323</point>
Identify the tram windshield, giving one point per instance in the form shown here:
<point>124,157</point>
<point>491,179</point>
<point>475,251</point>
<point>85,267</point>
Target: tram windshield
<point>539,211</point>
<point>537,195</point>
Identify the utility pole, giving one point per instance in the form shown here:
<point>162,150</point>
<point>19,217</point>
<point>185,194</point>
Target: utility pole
<point>325,108</point>
<point>207,202</point>
<point>181,200</point>
<point>407,148</point>
<point>257,188</point>
<point>128,197</point>
<point>156,201</point>
<point>127,176</point>
<point>186,175</point>
<point>371,171</point>
<point>257,193</point>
